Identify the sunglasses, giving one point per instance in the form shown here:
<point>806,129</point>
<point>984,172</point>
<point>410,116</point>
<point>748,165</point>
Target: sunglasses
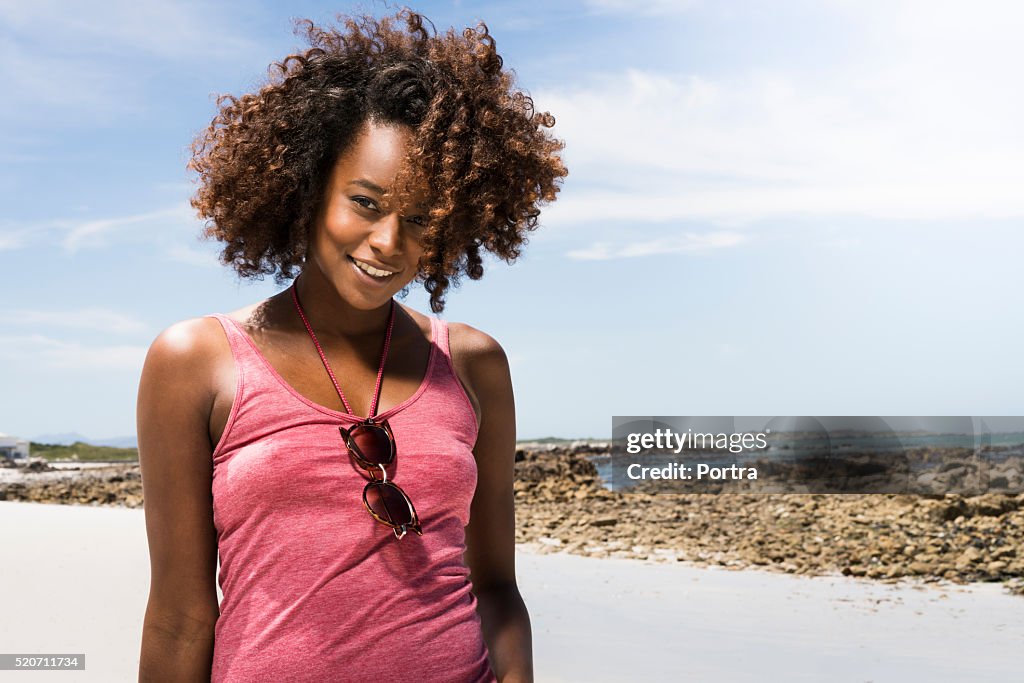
<point>372,445</point>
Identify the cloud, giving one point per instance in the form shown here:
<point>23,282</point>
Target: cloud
<point>917,121</point>
<point>97,232</point>
<point>162,28</point>
<point>101,319</point>
<point>46,353</point>
<point>21,235</point>
<point>157,226</point>
<point>686,243</point>
<point>11,240</point>
<point>45,87</point>
<point>169,229</point>
<point>736,207</point>
<point>74,63</point>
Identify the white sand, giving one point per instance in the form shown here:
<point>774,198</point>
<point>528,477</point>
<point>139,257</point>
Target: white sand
<point>76,579</point>
<point>625,620</point>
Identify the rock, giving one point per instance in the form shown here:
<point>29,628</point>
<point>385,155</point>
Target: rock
<point>992,505</point>
<point>995,568</point>
<point>969,556</point>
<point>944,511</point>
<point>920,568</point>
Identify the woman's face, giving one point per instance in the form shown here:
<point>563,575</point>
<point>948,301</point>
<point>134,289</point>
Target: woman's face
<point>367,248</point>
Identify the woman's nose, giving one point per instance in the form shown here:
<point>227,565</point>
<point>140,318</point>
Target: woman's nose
<point>386,236</point>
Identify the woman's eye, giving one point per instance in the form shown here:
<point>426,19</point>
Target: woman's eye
<point>365,202</point>
<point>417,220</point>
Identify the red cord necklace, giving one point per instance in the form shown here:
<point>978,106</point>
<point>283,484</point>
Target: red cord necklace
<point>334,380</point>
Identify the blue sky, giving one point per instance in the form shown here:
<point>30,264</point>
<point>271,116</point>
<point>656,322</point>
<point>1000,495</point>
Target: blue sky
<point>786,208</point>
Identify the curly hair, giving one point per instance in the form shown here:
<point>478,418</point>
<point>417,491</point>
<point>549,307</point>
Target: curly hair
<point>477,144</point>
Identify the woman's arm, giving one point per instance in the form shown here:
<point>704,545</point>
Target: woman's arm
<point>490,535</point>
<point>175,399</point>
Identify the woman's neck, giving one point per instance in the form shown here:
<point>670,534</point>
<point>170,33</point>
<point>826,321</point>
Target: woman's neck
<point>329,314</point>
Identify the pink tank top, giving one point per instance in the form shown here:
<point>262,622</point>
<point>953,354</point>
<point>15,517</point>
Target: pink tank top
<point>314,588</point>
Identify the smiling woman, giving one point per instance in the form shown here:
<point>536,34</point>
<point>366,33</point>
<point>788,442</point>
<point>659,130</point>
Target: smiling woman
<point>476,147</point>
<point>347,458</point>
<point>368,249</point>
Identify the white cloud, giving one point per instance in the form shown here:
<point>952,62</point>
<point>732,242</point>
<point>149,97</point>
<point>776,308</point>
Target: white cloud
<point>101,319</point>
<point>76,62</point>
<point>97,232</point>
<point>921,122</point>
<point>739,206</point>
<point>20,235</point>
<point>164,28</point>
<point>168,229</point>
<point>686,243</point>
<point>46,353</point>
<point>11,240</point>
<point>46,86</point>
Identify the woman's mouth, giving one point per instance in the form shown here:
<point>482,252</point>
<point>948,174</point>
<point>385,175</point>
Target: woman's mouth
<point>371,274</point>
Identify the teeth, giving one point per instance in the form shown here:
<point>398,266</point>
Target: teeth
<point>371,270</point>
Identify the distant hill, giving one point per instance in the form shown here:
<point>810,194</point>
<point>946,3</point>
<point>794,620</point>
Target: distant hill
<point>82,451</point>
<point>68,438</point>
<point>63,439</point>
<point>559,440</point>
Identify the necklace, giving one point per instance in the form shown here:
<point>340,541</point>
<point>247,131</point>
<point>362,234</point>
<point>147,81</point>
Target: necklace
<point>334,380</point>
<point>371,444</point>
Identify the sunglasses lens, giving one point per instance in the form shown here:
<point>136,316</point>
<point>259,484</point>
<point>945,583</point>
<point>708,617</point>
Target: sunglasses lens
<point>388,502</point>
<point>373,443</point>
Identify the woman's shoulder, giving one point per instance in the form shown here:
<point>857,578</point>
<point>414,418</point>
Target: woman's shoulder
<point>464,341</point>
<point>200,341</point>
<point>192,359</point>
<point>479,360</point>
<point>472,343</point>
<point>186,338</point>
<point>193,332</point>
<point>193,348</point>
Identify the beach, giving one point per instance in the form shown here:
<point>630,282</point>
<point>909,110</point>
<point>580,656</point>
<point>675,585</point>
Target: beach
<point>564,505</point>
<point>76,581</point>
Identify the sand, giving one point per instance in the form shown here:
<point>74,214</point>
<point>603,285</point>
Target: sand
<point>76,580</point>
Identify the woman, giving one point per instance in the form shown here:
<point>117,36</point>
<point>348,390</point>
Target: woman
<point>349,458</point>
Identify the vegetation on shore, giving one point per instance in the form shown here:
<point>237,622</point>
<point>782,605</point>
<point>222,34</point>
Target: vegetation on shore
<point>83,452</point>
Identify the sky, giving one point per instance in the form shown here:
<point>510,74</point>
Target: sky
<point>772,208</point>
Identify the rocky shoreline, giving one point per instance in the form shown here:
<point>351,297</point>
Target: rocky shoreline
<point>117,484</point>
<point>561,506</point>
